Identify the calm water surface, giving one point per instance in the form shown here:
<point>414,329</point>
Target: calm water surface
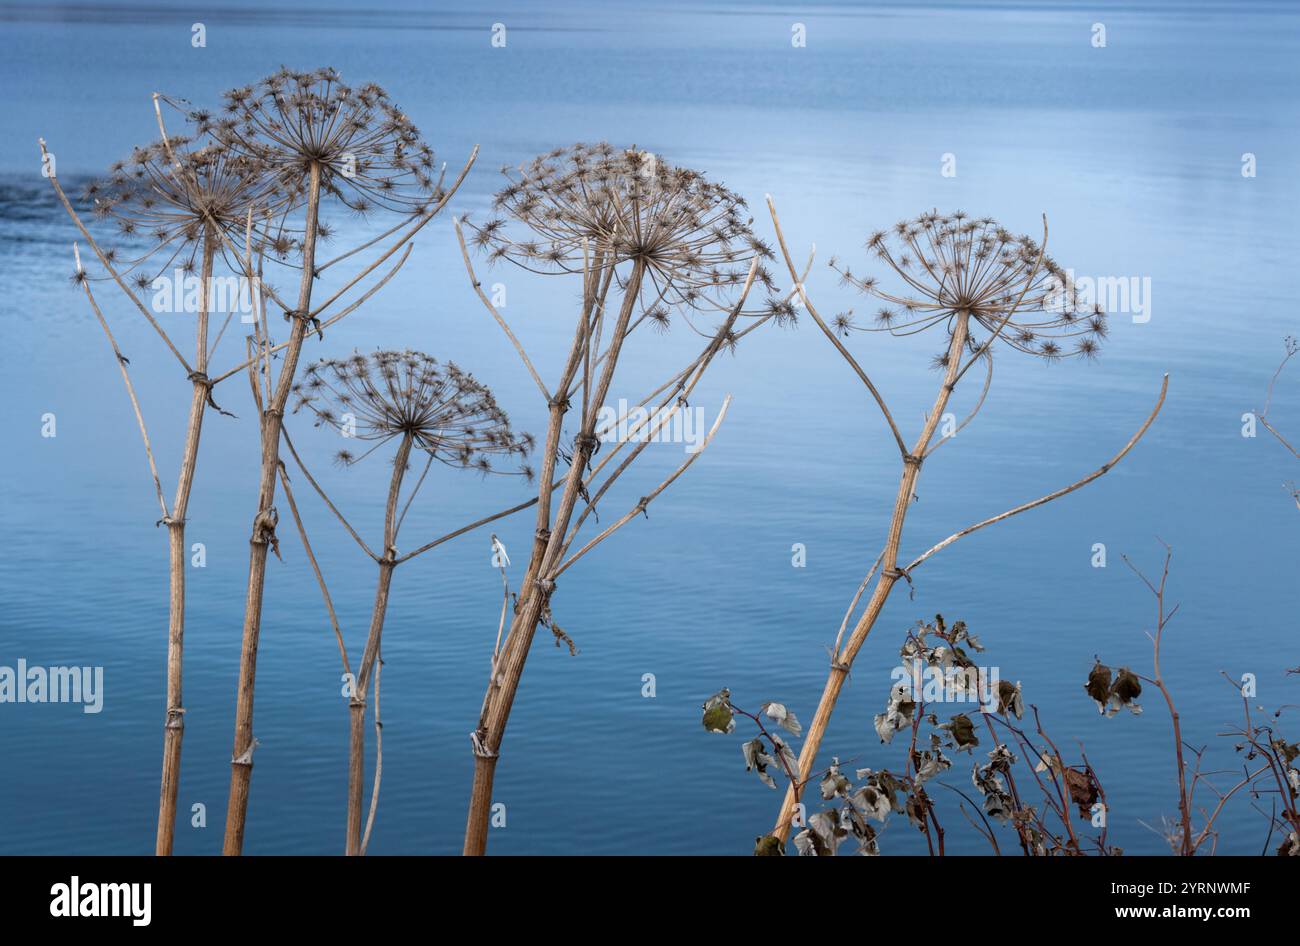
<point>1133,150</point>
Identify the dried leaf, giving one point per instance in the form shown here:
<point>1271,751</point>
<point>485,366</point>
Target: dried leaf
<point>1009,699</point>
<point>1098,685</point>
<point>1113,695</point>
<point>834,783</point>
<point>897,714</point>
<point>718,716</point>
<point>758,760</point>
<point>962,730</point>
<point>787,719</point>
<point>1083,790</point>
<point>1126,689</point>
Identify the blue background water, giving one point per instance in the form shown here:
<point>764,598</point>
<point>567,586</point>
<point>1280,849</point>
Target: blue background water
<point>1133,150</point>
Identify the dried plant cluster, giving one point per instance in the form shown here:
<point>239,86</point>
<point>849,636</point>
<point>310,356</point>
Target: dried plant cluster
<point>1005,285</point>
<point>246,191</point>
<point>169,195</point>
<point>241,192</point>
<point>408,395</point>
<point>645,242</point>
<point>1023,785</point>
<point>1029,789</point>
<point>970,281</point>
<point>368,154</point>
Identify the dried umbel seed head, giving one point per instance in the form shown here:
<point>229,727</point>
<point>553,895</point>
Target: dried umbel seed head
<point>1006,284</point>
<point>597,207</point>
<point>369,154</point>
<point>169,194</point>
<point>391,394</point>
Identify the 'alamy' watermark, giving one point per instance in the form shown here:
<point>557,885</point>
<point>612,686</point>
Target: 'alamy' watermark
<point>78,899</point>
<point>1114,294</point>
<point>179,291</point>
<point>680,424</point>
<point>929,683</point>
<point>30,684</point>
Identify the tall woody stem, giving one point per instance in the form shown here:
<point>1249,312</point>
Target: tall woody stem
<point>174,727</point>
<point>889,575</point>
<point>536,591</point>
<point>263,533</point>
<point>357,706</point>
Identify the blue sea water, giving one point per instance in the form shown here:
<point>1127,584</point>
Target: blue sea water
<point>1134,151</point>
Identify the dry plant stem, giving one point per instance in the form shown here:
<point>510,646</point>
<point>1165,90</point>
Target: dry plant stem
<point>919,789</point>
<point>174,727</point>
<point>1186,844</point>
<point>370,656</point>
<point>1101,797</point>
<point>1274,765</point>
<point>553,539</point>
<point>288,442</point>
<point>241,762</point>
<point>640,507</point>
<point>478,288</point>
<point>842,660</point>
<point>130,388</point>
<point>1282,440</point>
<point>547,545</point>
<point>325,323</point>
<point>821,324</point>
<point>174,720</point>
<point>985,832</point>
<point>379,764</point>
<point>1056,494</point>
<point>1052,798</point>
<point>1268,403</point>
<point>174,723</point>
<point>315,567</point>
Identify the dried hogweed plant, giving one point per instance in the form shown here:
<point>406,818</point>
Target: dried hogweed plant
<point>176,207</point>
<point>649,242</point>
<point>418,412</point>
<point>327,145</point>
<point>246,187</point>
<point>981,288</point>
<point>935,671</point>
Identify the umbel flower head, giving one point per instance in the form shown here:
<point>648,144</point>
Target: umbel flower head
<point>595,206</point>
<point>1005,284</point>
<point>370,155</point>
<point>168,194</point>
<point>393,394</point>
